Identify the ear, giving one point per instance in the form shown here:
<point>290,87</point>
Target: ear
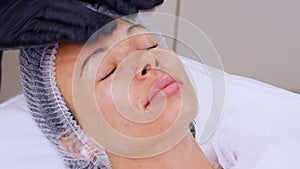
<point>76,148</point>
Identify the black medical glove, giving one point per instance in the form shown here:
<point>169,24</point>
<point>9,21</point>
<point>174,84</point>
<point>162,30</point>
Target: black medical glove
<point>127,7</point>
<point>26,23</point>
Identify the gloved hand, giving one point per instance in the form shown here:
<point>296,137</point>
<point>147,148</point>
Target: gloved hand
<point>127,7</point>
<point>25,23</point>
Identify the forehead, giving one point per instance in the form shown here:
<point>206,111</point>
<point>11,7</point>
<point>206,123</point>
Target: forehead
<point>123,30</point>
<point>70,50</point>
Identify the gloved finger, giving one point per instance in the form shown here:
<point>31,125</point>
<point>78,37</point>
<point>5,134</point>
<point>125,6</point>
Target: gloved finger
<point>123,6</point>
<point>61,15</point>
<point>51,32</point>
<point>70,32</point>
<point>35,39</point>
<point>141,4</point>
<point>85,19</point>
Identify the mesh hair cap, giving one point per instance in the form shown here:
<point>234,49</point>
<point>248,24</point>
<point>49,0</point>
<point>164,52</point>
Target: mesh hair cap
<point>49,109</point>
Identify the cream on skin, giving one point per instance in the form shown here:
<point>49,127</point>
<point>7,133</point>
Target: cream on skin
<point>185,154</point>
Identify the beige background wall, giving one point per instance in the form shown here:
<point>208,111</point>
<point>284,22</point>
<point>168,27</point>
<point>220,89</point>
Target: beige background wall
<point>10,84</point>
<point>258,39</point>
<point>255,38</point>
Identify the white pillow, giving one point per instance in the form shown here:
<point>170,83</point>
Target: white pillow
<point>22,144</point>
<point>24,147</point>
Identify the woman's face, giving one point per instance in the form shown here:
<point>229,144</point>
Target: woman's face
<point>126,62</point>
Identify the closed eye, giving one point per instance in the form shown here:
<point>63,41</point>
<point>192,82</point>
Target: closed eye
<point>151,47</point>
<point>111,72</point>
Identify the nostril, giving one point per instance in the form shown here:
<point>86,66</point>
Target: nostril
<point>146,69</point>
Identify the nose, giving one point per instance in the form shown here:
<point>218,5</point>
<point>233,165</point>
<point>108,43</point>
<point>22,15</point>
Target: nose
<point>144,73</point>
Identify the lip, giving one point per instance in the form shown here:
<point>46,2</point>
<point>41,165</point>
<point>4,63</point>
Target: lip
<point>167,85</point>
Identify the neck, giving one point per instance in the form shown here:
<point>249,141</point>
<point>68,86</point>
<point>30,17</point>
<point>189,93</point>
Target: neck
<point>185,154</point>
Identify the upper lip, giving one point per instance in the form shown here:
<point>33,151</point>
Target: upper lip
<point>159,85</point>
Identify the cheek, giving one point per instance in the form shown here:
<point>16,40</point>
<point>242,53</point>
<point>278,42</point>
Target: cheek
<point>104,97</point>
<point>106,105</point>
<point>115,119</point>
<point>64,74</point>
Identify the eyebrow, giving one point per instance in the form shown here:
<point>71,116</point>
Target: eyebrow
<point>132,27</point>
<point>103,49</point>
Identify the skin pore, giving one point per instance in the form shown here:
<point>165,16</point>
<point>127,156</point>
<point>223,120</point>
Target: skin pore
<point>185,154</point>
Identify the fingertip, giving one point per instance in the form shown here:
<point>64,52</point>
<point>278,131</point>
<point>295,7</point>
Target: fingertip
<point>132,10</point>
<point>146,4</point>
<point>108,28</point>
<point>126,8</point>
<point>105,30</point>
<point>158,2</point>
<point>100,22</point>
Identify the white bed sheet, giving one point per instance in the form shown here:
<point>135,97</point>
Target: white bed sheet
<point>22,145</point>
<point>260,125</point>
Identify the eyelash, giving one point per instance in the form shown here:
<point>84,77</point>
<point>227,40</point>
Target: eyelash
<point>113,70</point>
<point>154,46</point>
